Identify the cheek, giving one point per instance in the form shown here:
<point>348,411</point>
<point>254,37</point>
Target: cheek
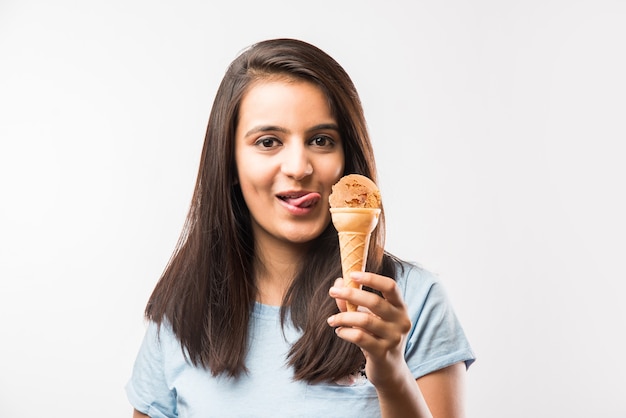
<point>252,197</point>
<point>254,179</point>
<point>333,170</point>
<point>248,185</point>
<point>247,170</point>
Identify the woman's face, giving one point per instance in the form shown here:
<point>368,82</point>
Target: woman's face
<point>288,153</point>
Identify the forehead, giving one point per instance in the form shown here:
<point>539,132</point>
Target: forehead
<point>261,77</point>
<point>283,99</point>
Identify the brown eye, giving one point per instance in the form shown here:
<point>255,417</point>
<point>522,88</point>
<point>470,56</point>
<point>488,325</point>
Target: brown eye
<point>322,141</point>
<point>267,142</point>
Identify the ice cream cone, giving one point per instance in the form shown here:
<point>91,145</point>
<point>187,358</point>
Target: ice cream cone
<point>354,226</point>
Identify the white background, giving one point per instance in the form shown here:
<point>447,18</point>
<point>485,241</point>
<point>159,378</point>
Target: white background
<point>498,127</point>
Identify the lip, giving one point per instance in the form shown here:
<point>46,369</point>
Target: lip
<point>299,202</point>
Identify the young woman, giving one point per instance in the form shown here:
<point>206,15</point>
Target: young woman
<point>249,318</point>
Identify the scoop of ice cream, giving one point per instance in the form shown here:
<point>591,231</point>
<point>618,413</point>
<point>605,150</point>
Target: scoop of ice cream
<point>354,191</point>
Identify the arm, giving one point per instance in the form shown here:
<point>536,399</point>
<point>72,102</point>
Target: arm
<point>380,329</point>
<point>137,414</point>
<point>444,391</point>
<point>441,391</point>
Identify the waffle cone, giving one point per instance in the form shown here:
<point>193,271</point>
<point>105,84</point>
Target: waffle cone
<point>354,226</point>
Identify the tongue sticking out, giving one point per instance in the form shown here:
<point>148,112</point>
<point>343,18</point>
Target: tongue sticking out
<point>304,201</point>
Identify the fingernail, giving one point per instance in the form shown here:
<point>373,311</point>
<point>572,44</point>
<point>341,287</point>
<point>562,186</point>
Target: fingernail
<point>356,275</point>
<point>331,320</point>
<point>333,291</point>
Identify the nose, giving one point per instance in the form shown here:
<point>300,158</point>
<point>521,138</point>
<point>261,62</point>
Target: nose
<point>296,162</point>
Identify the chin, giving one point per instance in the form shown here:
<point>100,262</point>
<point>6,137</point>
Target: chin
<point>305,236</point>
<point>301,239</point>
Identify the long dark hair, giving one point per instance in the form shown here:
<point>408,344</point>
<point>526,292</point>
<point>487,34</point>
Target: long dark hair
<point>207,290</point>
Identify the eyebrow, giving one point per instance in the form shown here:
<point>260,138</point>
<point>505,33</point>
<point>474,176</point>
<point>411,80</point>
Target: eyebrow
<point>272,128</point>
<point>265,128</point>
<point>325,127</point>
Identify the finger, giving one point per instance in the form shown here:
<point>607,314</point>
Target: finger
<point>371,345</point>
<point>385,285</point>
<point>341,303</point>
<point>368,323</point>
<point>366,301</point>
<point>393,318</point>
<point>366,341</point>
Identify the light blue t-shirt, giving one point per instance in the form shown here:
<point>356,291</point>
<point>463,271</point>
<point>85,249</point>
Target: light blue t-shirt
<point>164,384</point>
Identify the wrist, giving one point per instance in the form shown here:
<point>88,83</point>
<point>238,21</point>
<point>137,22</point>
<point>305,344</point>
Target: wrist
<point>396,383</point>
<point>402,397</point>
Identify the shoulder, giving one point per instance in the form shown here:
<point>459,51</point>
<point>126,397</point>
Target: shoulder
<point>436,339</point>
<point>159,344</point>
<point>160,332</point>
<point>422,290</point>
<point>413,279</point>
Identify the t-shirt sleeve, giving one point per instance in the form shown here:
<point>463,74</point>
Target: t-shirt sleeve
<point>436,339</point>
<point>148,390</point>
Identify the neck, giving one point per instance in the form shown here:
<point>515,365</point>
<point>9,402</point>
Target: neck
<point>275,268</point>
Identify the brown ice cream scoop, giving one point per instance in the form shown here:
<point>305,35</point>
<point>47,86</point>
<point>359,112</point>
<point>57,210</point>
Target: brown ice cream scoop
<point>355,206</point>
<point>354,191</point>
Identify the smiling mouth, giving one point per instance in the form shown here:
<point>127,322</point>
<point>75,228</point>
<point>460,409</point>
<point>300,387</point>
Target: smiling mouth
<point>299,200</point>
